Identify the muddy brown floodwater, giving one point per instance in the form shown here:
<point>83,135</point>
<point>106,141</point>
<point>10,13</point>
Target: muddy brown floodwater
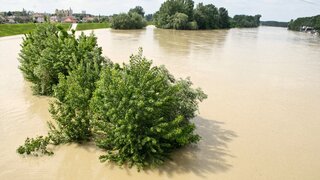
<point>261,120</point>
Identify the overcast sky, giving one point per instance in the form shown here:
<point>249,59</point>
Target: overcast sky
<point>281,10</point>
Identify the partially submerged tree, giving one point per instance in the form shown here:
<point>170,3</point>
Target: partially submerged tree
<point>70,110</point>
<point>202,17</point>
<point>47,52</point>
<point>134,19</point>
<point>128,21</point>
<point>137,9</point>
<point>141,113</point>
<point>137,112</point>
<point>206,16</point>
<point>245,21</point>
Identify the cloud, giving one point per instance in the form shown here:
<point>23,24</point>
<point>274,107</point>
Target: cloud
<point>308,1</point>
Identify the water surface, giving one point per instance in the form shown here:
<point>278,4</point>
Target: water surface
<point>261,120</point>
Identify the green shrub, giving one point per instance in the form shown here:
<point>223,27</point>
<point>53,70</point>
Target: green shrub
<point>193,25</point>
<point>244,21</point>
<point>73,93</point>
<point>70,110</point>
<point>313,21</point>
<point>137,112</point>
<point>128,21</point>
<point>47,52</point>
<point>180,21</point>
<point>141,113</point>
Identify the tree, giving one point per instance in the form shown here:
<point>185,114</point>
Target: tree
<point>313,21</point>
<point>149,17</point>
<point>180,21</point>
<point>169,8</point>
<point>141,113</point>
<point>246,21</point>
<point>223,18</point>
<point>74,91</point>
<point>206,16</point>
<point>70,110</point>
<point>128,21</point>
<point>45,53</point>
<point>137,9</point>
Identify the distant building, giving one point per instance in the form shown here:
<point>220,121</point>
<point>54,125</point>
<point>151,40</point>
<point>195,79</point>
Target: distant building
<point>83,13</point>
<point>64,13</point>
<point>11,19</point>
<point>2,19</point>
<point>53,19</point>
<point>38,17</point>
<point>70,19</point>
<point>87,19</point>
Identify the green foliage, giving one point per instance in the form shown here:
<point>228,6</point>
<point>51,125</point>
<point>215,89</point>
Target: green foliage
<point>73,93</point>
<point>70,110</point>
<point>137,112</point>
<point>193,25</point>
<point>138,10</point>
<point>35,146</point>
<point>163,17</point>
<point>202,17</point>
<point>244,21</point>
<point>141,113</point>
<point>180,21</point>
<point>224,18</point>
<point>313,21</point>
<point>149,17</point>
<point>47,52</point>
<point>128,21</point>
<point>206,16</point>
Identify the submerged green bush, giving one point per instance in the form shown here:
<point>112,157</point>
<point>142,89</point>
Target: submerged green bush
<point>47,52</point>
<point>137,112</point>
<point>141,113</point>
<point>70,110</point>
<point>128,21</point>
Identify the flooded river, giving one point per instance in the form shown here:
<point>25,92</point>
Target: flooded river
<point>261,120</point>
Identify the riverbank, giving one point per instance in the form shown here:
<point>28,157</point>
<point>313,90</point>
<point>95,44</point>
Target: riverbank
<point>89,26</point>
<point>17,29</point>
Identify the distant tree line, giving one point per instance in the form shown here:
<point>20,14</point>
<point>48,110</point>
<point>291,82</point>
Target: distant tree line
<point>181,14</point>
<point>245,21</point>
<point>274,23</point>
<point>313,21</point>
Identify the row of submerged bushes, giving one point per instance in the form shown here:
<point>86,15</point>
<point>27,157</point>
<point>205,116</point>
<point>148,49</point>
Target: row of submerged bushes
<point>138,113</point>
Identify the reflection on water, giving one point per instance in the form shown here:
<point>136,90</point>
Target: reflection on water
<point>185,43</point>
<point>263,86</point>
<point>208,157</point>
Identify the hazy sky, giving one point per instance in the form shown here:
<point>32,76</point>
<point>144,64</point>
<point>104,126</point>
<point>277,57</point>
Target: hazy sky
<point>281,10</point>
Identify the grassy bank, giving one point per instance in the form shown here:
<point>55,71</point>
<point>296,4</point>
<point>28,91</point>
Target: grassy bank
<point>86,26</point>
<point>15,29</point>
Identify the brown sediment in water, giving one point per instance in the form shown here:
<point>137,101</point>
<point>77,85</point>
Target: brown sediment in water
<point>261,120</point>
